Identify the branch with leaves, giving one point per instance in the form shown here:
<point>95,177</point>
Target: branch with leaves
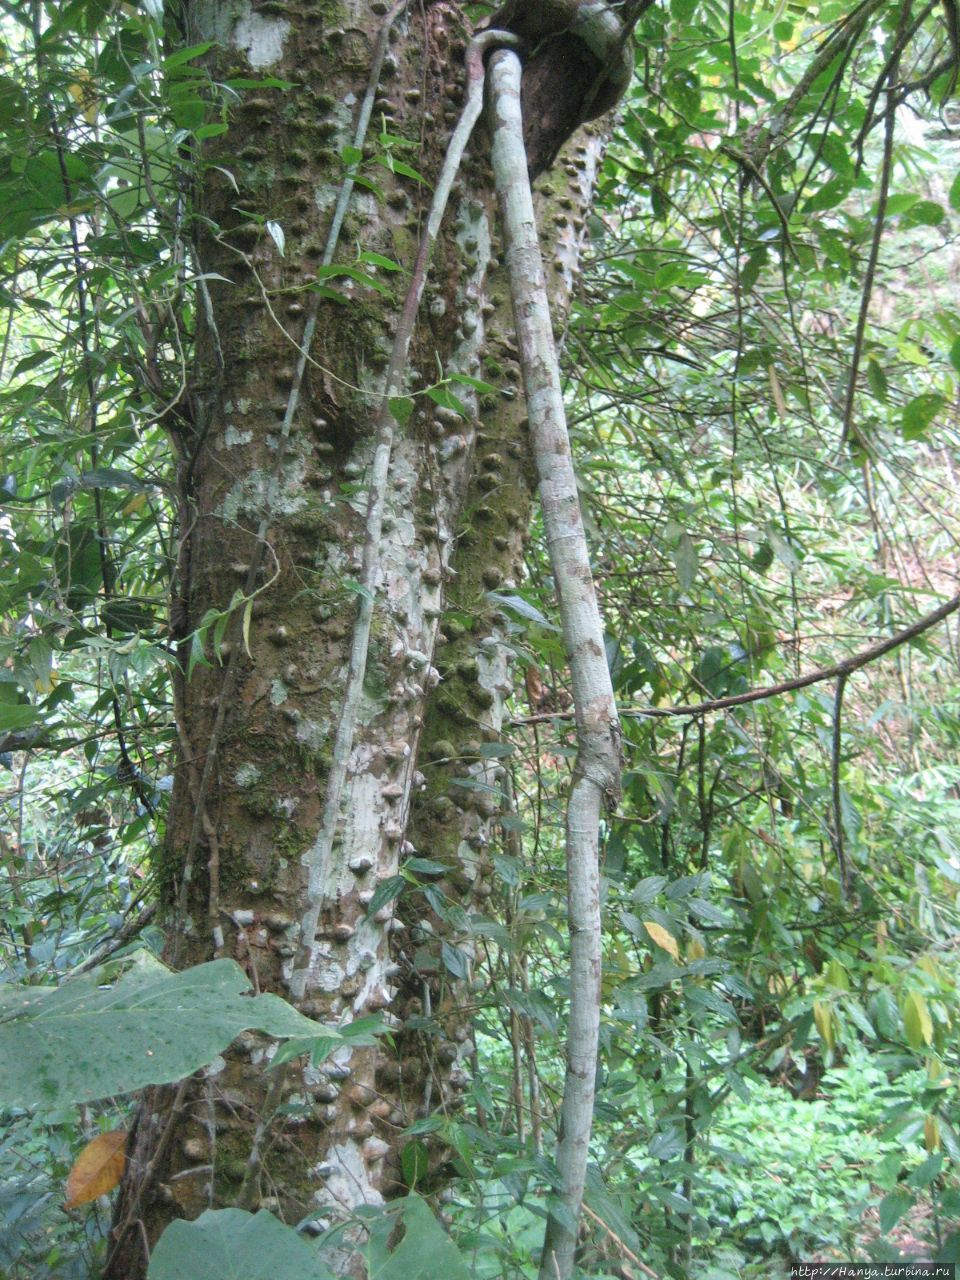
<point>837,670</point>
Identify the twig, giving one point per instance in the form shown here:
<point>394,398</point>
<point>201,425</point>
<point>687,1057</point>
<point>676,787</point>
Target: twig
<point>845,667</point>
<point>835,783</point>
<point>620,1243</point>
<point>755,172</point>
<point>129,929</point>
<point>866,295</point>
<point>836,42</point>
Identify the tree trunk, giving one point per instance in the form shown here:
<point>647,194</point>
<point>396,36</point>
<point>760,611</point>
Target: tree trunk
<point>273,479</point>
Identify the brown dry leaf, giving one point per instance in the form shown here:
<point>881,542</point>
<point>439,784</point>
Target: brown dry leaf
<point>663,938</point>
<point>534,685</point>
<point>97,1169</point>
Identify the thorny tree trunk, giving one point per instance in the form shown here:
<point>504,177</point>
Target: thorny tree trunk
<point>256,727</point>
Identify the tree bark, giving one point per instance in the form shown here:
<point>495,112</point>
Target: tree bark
<point>282,518</point>
<point>595,787</point>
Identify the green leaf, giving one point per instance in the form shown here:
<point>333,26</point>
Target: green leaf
<point>196,657</point>
<point>425,866</point>
<point>465,380</point>
<point>750,271</point>
<point>378,260</point>
<point>401,407</point>
<point>893,1207</point>
<point>210,131</point>
<point>920,413</point>
<point>925,213</point>
<point>185,55</point>
<point>318,1047</point>
<point>829,196</point>
<point>111,478</point>
<point>955,193</point>
<point>859,1018</point>
<point>231,1244</point>
<point>426,1252</point>
<point>455,961</point>
<point>267,82</point>
<point>415,1163</point>
<point>877,379</point>
<point>784,552</point>
<point>686,561</point>
<point>517,604</point>
<point>443,396</point>
<point>75,1043</point>
<point>385,892</point>
<point>925,1173</point>
<point>900,203</point>
<point>400,166</point>
<point>33,361</point>
<point>917,1021</point>
<point>762,558</point>
<point>17,715</point>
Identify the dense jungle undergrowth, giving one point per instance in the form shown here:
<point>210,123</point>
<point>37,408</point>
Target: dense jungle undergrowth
<point>762,380</point>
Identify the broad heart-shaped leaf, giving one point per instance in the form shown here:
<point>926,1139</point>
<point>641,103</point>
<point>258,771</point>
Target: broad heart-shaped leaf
<point>231,1244</point>
<point>76,1043</point>
<point>426,1252</point>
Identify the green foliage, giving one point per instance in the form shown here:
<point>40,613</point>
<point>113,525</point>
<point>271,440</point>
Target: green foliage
<point>424,1253</point>
<point>765,427</point>
<point>227,1244</point>
<point>79,1042</point>
<point>792,1175</point>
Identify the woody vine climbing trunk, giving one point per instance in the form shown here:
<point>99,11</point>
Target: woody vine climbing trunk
<point>277,470</point>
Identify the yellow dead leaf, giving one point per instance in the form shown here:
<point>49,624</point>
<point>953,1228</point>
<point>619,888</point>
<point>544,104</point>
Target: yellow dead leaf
<point>931,1133</point>
<point>917,1021</point>
<point>97,1169</point>
<point>247,616</point>
<point>823,1017</point>
<point>136,503</point>
<point>663,938</point>
<point>84,93</point>
<point>777,391</point>
<point>695,950</point>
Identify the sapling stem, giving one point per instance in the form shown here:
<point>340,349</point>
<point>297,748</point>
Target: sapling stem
<point>596,773</point>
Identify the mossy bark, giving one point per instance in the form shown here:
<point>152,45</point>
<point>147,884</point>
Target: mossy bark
<point>255,723</point>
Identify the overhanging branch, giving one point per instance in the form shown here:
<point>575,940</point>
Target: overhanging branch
<point>844,668</point>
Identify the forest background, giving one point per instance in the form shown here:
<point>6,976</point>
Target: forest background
<point>753,274</point>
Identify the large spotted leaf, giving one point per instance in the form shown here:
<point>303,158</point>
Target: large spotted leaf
<point>230,1244</point>
<point>82,1041</point>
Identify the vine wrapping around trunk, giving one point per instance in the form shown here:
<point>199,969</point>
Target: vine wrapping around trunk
<point>596,774</point>
<point>320,858</point>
